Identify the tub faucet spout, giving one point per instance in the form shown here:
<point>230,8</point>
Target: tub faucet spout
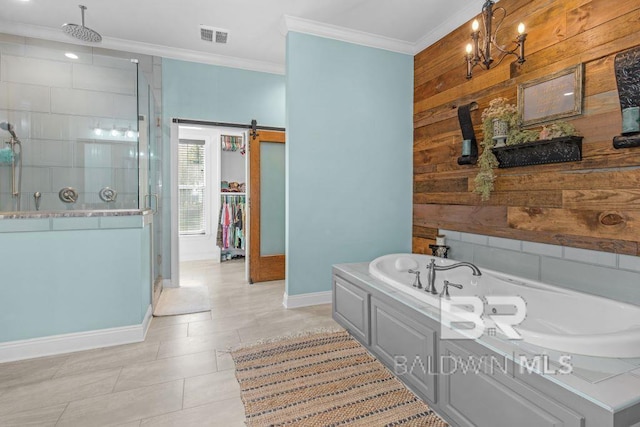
<point>431,278</point>
<point>432,267</point>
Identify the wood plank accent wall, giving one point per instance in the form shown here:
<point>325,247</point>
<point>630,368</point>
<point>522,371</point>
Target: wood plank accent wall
<point>593,204</point>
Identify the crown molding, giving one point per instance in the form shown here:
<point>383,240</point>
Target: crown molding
<point>289,23</point>
<point>320,29</point>
<point>448,26</point>
<point>54,34</point>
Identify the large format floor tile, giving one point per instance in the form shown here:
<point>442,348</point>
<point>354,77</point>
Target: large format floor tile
<point>227,413</point>
<point>29,371</point>
<point>163,370</point>
<point>58,390</point>
<point>181,375</point>
<point>42,417</point>
<point>197,344</point>
<point>125,406</point>
<point>111,357</point>
<point>210,388</point>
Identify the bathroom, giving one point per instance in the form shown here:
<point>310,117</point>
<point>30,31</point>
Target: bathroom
<point>394,185</point>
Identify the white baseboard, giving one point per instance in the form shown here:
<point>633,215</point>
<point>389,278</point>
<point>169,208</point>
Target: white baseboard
<point>146,322</point>
<point>67,343</point>
<point>304,300</point>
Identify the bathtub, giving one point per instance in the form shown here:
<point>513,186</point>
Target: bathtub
<point>556,318</point>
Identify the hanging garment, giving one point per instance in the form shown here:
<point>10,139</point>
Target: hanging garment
<point>231,221</point>
<point>232,143</point>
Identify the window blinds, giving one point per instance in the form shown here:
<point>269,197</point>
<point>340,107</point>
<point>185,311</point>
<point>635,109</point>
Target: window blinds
<point>191,187</point>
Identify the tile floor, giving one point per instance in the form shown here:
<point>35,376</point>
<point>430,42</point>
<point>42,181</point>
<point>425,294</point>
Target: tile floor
<point>181,375</point>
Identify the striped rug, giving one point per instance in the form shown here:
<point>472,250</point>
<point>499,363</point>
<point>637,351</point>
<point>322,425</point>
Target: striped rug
<point>326,379</point>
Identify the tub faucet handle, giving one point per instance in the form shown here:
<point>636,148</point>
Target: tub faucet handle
<point>416,283</point>
<point>445,289</point>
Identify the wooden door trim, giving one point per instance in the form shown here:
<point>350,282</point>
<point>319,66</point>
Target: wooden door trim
<point>270,267</point>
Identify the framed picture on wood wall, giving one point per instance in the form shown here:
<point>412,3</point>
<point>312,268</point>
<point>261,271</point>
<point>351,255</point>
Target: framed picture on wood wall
<point>551,97</point>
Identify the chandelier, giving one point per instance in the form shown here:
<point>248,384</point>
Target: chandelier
<point>479,50</point>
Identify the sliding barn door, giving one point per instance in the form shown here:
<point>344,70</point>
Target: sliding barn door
<point>266,206</point>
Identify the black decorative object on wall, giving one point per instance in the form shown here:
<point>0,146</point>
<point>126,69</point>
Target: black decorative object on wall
<point>469,145</point>
<point>556,150</point>
<point>627,66</point>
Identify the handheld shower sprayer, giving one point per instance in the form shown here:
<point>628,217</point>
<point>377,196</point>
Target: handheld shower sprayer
<point>9,128</point>
<point>16,170</point>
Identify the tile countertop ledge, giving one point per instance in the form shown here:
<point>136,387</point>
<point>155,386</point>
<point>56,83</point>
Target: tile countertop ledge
<point>74,214</point>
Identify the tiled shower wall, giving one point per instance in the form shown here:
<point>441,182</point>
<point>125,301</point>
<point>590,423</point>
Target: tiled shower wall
<point>601,273</point>
<point>55,104</point>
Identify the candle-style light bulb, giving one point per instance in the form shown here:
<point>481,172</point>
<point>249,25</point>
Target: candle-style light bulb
<point>521,28</point>
<point>475,25</point>
<point>469,48</point>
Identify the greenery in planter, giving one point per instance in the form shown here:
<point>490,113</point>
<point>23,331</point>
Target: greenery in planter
<point>499,108</point>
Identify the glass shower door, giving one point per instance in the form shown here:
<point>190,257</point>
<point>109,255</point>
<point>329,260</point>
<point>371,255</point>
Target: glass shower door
<point>151,175</point>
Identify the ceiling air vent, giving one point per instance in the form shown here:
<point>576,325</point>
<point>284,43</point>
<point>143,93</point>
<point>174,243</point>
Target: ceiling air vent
<point>209,34</point>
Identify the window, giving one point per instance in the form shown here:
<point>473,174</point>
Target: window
<point>191,187</point>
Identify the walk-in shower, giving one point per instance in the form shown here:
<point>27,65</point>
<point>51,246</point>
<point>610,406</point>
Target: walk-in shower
<point>12,156</point>
<point>69,138</point>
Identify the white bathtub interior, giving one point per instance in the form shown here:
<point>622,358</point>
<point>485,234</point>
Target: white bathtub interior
<point>556,318</point>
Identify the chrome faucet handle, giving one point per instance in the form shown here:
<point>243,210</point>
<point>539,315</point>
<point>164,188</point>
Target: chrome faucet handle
<point>416,283</point>
<point>445,289</point>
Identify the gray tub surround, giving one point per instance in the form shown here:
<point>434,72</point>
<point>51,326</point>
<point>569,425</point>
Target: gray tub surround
<point>73,280</point>
<point>489,381</point>
<point>605,274</point>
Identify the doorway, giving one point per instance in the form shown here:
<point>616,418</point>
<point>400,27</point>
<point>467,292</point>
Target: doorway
<point>212,177</point>
<point>230,208</point>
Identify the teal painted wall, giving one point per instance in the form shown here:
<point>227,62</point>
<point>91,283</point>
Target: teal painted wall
<point>349,157</point>
<point>207,92</point>
<point>68,275</point>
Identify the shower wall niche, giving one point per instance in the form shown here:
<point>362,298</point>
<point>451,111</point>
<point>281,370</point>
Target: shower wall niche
<point>77,120</point>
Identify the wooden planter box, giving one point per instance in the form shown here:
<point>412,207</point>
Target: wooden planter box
<point>557,150</point>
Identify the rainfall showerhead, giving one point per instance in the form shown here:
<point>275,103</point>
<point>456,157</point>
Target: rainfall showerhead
<point>9,128</point>
<point>80,31</point>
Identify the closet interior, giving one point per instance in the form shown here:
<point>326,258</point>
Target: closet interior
<point>212,198</point>
<point>232,218</point>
